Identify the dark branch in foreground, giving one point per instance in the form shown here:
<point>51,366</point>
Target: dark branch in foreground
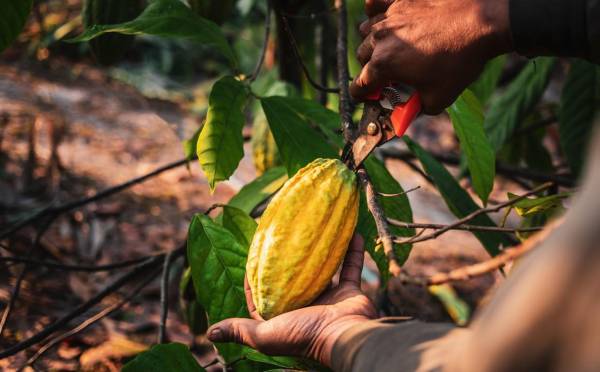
<point>437,226</point>
<point>343,75</point>
<point>265,46</point>
<point>74,267</point>
<point>150,264</point>
<point>164,298</point>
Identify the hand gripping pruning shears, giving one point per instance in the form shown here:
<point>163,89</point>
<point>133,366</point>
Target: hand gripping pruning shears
<point>387,113</point>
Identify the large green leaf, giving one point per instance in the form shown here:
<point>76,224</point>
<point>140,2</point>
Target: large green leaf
<point>484,86</point>
<point>218,263</point>
<point>260,189</point>
<point>164,357</point>
<point>221,143</point>
<point>171,19</point>
<point>12,19</point>
<point>577,111</point>
<point>467,118</point>
<point>297,141</point>
<point>458,200</point>
<point>239,223</point>
<point>508,110</point>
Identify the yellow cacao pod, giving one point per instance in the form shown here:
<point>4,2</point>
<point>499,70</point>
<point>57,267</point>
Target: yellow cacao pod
<point>302,237</point>
<point>264,149</point>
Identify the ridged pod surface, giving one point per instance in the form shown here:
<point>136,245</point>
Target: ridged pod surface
<point>264,149</point>
<point>302,237</point>
<point>110,48</point>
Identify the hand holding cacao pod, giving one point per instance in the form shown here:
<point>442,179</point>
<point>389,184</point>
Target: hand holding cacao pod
<point>302,237</point>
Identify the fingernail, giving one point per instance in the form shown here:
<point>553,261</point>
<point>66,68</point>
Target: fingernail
<point>215,335</point>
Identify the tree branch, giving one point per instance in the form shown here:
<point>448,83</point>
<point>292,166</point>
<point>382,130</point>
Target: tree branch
<point>380,221</point>
<point>437,226</point>
<point>345,108</point>
<point>73,267</point>
<point>474,214</point>
<point>265,46</point>
<point>150,264</point>
<point>292,39</point>
<point>164,298</point>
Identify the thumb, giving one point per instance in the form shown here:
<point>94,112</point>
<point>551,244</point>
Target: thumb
<point>366,82</point>
<point>238,330</point>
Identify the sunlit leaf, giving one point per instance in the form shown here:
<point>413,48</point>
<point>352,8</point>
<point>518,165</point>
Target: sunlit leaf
<point>12,19</point>
<point>467,118</point>
<point>507,111</point>
<point>258,190</point>
<point>484,86</point>
<point>221,143</point>
<point>171,19</point>
<point>458,309</point>
<point>531,206</point>
<point>164,357</point>
<point>239,223</point>
<point>458,200</point>
<point>577,111</point>
<point>189,145</point>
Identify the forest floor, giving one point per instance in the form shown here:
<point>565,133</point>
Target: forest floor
<point>105,133</point>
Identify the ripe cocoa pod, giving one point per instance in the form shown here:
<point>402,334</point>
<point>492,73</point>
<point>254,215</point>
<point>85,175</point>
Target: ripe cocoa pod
<point>109,48</point>
<point>302,237</point>
<point>264,149</point>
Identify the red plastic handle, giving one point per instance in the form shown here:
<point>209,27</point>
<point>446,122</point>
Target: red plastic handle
<point>404,114</point>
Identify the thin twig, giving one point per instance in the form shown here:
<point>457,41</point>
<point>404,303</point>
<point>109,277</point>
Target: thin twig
<point>292,39</point>
<point>380,221</point>
<point>485,267</point>
<point>343,75</point>
<point>475,214</point>
<point>17,288</point>
<point>73,267</point>
<point>386,195</point>
<point>88,322</point>
<point>81,202</point>
<point>265,46</point>
<point>501,168</point>
<point>164,299</point>
<point>151,263</point>
<point>437,226</point>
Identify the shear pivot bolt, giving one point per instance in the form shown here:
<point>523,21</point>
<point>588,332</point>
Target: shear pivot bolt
<point>372,129</point>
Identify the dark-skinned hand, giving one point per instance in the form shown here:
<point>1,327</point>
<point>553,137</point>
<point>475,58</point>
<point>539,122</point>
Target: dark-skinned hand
<point>436,46</point>
<point>311,331</point>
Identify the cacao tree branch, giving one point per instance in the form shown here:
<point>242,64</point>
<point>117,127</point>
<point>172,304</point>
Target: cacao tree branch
<point>485,267</point>
<point>345,105</point>
<point>437,226</point>
<point>70,267</point>
<point>380,221</point>
<point>296,50</point>
<point>164,298</point>
<point>473,215</point>
<point>144,267</point>
<point>265,46</point>
<point>399,193</point>
<point>90,321</point>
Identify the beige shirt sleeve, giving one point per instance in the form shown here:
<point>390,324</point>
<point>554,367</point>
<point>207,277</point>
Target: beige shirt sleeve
<point>545,317</point>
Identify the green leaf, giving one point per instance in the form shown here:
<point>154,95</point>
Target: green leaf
<point>508,110</point>
<point>297,141</point>
<point>164,357</point>
<point>12,19</point>
<point>221,143</point>
<point>218,263</point>
<point>458,309</point>
<point>284,362</point>
<point>189,145</point>
<point>171,19</point>
<point>241,225</point>
<point>577,111</point>
<point>258,190</point>
<point>531,206</point>
<point>484,86</point>
<point>458,200</point>
<point>467,118</point>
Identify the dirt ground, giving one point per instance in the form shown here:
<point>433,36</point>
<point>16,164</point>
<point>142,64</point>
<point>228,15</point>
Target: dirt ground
<point>105,133</point>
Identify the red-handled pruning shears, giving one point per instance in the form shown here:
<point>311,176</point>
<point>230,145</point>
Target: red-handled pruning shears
<point>387,114</point>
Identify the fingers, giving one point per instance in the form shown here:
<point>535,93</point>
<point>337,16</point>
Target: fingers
<point>238,330</point>
<point>374,7</point>
<point>250,301</point>
<point>353,262</point>
<point>369,80</point>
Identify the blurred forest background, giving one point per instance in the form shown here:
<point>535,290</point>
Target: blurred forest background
<point>71,128</point>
